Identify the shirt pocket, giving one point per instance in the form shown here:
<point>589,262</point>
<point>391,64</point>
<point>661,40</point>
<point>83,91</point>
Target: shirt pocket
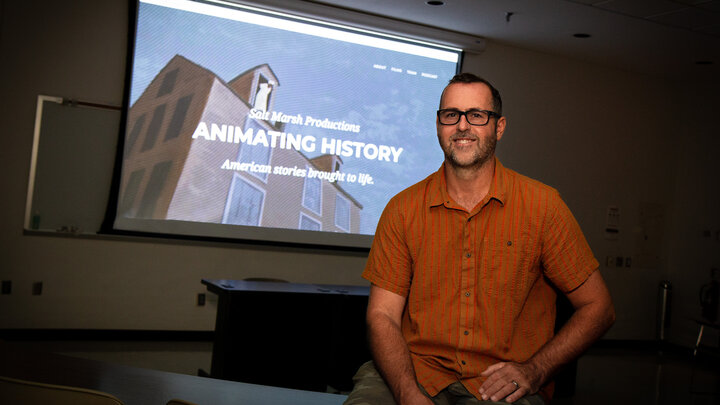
<point>509,268</point>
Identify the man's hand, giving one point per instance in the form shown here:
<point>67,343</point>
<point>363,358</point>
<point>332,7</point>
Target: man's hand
<point>510,381</point>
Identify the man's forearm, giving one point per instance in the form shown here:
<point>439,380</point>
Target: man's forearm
<point>584,327</point>
<point>512,381</point>
<point>594,314</point>
<point>392,359</point>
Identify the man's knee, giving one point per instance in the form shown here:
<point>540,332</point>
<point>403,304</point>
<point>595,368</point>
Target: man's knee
<point>531,400</point>
<point>370,388</point>
<point>367,371</point>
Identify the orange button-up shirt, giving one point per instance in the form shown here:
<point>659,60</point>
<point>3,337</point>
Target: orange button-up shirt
<point>477,283</point>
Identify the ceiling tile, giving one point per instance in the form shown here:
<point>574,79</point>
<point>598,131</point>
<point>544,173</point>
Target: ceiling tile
<point>690,18</point>
<point>641,8</point>
<point>692,2</point>
<point>710,5</point>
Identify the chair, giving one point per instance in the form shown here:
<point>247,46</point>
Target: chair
<point>20,392</point>
<point>703,323</point>
<point>179,402</point>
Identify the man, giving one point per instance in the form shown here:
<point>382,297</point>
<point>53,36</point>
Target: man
<point>462,304</point>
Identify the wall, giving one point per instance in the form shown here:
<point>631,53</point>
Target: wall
<point>77,50</point>
<point>647,146</point>
<point>601,136</point>
<point>695,226</point>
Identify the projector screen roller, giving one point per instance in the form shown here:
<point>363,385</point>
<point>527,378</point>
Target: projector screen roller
<point>250,124</point>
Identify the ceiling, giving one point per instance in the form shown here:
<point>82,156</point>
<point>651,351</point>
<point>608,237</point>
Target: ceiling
<point>675,39</point>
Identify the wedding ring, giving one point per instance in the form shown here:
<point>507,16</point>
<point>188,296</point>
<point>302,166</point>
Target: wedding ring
<point>516,384</point>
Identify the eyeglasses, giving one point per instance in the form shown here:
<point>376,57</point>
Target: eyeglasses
<point>476,117</point>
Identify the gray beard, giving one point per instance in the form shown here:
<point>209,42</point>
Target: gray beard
<point>486,151</point>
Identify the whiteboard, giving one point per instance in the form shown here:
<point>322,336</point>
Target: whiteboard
<point>72,162</point>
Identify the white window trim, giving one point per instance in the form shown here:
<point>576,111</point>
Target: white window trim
<point>319,212</point>
<point>304,215</point>
<point>269,162</point>
<point>349,219</point>
<point>228,202</point>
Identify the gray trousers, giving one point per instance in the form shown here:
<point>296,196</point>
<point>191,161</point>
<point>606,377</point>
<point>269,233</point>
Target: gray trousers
<point>370,389</point>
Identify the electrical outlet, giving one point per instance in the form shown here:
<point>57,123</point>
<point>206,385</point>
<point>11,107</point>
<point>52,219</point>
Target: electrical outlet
<point>612,223</point>
<point>201,299</point>
<point>37,288</point>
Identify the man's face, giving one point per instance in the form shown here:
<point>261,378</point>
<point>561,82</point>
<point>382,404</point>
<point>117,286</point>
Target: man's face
<point>465,145</point>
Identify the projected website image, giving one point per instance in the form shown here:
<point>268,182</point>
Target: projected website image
<point>257,170</point>
<point>245,128</point>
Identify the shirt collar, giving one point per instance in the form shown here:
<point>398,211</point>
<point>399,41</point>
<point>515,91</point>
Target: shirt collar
<point>499,186</point>
<point>439,194</point>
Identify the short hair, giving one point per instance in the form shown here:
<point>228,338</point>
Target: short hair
<point>471,78</point>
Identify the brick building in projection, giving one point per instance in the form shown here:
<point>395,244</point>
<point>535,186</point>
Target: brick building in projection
<point>173,176</point>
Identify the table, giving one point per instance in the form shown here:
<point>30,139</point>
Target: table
<point>137,386</point>
<point>302,336</point>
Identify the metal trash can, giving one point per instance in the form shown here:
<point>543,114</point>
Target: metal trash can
<point>664,302</point>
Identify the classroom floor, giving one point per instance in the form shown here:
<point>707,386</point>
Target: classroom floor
<point>645,376</point>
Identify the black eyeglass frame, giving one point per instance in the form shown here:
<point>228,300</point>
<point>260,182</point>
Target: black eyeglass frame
<point>490,114</point>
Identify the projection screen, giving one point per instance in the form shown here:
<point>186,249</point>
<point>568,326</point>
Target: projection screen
<point>250,124</point>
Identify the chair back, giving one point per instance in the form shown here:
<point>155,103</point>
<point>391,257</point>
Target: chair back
<point>20,392</point>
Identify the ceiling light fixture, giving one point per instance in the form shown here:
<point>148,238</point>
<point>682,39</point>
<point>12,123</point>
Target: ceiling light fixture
<point>435,3</point>
<point>704,62</point>
<point>582,35</point>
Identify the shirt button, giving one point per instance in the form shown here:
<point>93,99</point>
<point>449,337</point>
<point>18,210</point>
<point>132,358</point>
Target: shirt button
<point>468,255</point>
<point>509,243</point>
<point>466,333</point>
<point>467,294</point>
<point>463,362</point>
